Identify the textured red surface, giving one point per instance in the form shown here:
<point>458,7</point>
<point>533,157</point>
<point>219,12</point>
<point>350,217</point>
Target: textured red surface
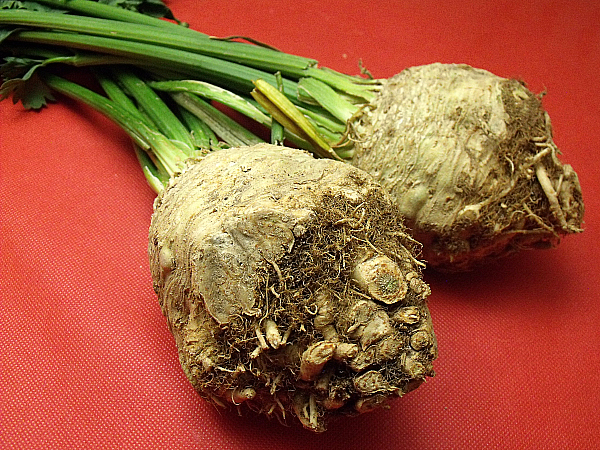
<point>85,356</point>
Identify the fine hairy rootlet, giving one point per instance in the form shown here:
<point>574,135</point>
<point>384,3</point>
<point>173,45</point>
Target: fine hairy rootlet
<point>469,158</point>
<point>290,285</point>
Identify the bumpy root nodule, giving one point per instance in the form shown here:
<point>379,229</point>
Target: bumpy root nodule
<point>290,285</point>
<point>470,160</point>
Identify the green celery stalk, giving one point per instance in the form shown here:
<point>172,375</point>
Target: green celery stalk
<point>108,12</point>
<point>325,96</point>
<point>149,102</point>
<point>169,154</point>
<point>284,112</point>
<point>277,130</point>
<point>222,125</point>
<point>116,94</point>
<point>203,136</point>
<point>221,72</point>
<point>355,86</point>
<point>312,103</point>
<point>176,37</point>
<point>157,179</point>
<point>216,93</point>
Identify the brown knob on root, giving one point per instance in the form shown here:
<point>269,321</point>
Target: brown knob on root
<point>381,278</point>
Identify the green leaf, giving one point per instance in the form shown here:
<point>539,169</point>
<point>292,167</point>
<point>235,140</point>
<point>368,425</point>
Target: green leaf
<point>23,84</point>
<point>29,90</point>
<point>15,67</point>
<point>5,32</point>
<point>30,6</point>
<point>18,74</point>
<point>153,8</point>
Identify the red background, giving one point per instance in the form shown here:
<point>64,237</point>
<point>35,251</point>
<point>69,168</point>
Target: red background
<point>87,361</point>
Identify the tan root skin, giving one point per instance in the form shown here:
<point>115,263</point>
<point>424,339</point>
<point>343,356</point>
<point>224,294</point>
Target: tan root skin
<point>264,260</point>
<point>469,158</point>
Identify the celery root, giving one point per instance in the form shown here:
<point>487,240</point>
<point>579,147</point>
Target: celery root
<point>290,285</point>
<point>469,158</point>
<point>289,282</point>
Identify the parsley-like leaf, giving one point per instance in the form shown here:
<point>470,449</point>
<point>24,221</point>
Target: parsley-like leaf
<point>23,83</point>
<point>32,93</point>
<point>31,6</point>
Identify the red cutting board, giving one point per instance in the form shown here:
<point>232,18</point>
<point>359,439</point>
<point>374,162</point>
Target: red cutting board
<point>86,359</point>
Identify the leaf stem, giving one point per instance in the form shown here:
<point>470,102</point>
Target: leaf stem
<point>277,130</point>
<point>313,104</point>
<point>166,152</point>
<point>153,106</point>
<point>212,92</point>
<point>283,111</point>
<point>222,125</point>
<point>173,36</point>
<point>97,9</point>
<point>221,72</point>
